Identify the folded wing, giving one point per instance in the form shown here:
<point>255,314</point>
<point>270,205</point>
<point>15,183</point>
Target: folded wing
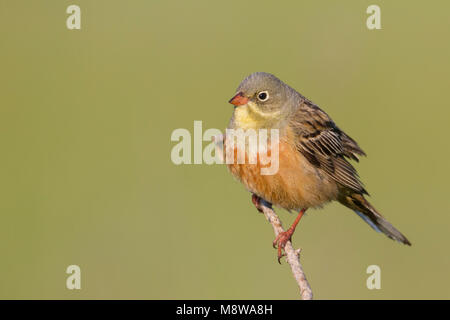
<point>326,146</point>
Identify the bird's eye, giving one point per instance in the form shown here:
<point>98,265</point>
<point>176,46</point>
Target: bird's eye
<point>263,96</point>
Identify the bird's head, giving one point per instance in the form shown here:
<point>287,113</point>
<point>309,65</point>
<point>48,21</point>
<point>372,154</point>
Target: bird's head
<point>261,101</point>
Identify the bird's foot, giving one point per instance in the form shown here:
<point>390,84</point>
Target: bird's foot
<point>280,242</point>
<point>257,202</point>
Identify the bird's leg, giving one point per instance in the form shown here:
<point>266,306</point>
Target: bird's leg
<point>283,237</point>
<point>257,202</point>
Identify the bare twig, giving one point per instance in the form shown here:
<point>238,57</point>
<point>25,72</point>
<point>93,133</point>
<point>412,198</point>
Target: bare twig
<point>292,255</point>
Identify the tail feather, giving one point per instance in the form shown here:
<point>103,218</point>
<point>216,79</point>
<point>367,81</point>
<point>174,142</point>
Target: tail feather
<point>367,212</point>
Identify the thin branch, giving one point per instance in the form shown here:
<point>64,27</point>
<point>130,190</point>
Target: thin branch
<point>292,255</point>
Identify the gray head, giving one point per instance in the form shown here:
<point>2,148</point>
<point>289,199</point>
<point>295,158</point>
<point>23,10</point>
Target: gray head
<point>262,96</point>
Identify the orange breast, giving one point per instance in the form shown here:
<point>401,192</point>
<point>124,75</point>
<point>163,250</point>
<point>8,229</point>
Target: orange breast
<point>296,184</point>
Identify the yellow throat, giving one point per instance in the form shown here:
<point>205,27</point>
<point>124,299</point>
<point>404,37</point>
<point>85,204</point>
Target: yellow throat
<point>249,116</point>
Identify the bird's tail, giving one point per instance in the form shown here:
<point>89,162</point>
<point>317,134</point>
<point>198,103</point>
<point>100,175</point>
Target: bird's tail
<point>364,209</point>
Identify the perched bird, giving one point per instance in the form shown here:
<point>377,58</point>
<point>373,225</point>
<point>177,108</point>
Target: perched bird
<point>314,155</point>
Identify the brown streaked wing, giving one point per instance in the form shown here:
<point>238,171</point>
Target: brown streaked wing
<point>326,146</point>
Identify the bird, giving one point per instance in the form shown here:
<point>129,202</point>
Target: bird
<point>314,156</point>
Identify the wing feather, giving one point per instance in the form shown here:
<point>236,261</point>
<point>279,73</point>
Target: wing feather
<point>326,146</point>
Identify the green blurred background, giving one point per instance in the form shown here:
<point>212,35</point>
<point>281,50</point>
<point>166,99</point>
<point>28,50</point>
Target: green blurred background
<point>86,118</point>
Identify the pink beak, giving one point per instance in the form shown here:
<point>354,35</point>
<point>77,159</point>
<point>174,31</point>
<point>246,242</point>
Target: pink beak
<point>238,100</point>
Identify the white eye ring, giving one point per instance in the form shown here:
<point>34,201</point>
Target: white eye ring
<point>263,96</point>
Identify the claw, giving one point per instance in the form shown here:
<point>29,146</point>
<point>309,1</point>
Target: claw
<point>280,242</point>
<point>283,237</point>
<point>257,202</point>
<point>280,255</point>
